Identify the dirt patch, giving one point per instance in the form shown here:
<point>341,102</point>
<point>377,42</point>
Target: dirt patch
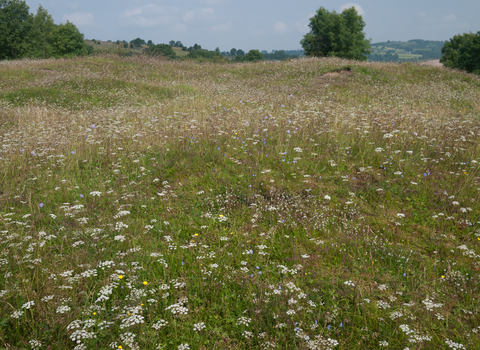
<point>338,72</point>
<point>432,63</point>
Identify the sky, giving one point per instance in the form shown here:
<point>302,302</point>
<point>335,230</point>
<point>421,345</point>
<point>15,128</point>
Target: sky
<point>257,24</point>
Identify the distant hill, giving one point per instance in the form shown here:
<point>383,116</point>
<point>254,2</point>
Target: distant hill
<point>406,51</point>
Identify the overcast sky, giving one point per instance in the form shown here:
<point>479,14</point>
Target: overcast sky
<point>257,24</point>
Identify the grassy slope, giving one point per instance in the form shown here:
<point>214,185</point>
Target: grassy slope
<point>282,207</point>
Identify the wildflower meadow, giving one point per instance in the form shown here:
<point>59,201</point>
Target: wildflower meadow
<point>303,204</point>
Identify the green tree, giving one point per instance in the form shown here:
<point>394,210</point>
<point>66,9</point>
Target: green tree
<point>15,26</point>
<point>462,52</point>
<point>149,43</point>
<point>334,34</point>
<point>253,56</point>
<point>233,52</point>
<point>217,49</point>
<point>40,34</point>
<point>160,49</point>
<point>138,42</point>
<point>240,52</point>
<point>66,40</point>
<point>171,43</point>
<point>178,44</point>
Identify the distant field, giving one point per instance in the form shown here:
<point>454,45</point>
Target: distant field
<point>113,47</point>
<point>302,204</point>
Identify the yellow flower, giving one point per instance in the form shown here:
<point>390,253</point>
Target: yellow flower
<point>120,347</point>
<point>196,234</point>
<point>443,276</point>
<point>120,276</point>
<point>94,313</point>
<point>221,215</point>
<point>145,283</point>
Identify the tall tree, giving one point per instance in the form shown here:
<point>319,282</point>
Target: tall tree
<point>171,43</point>
<point>240,52</point>
<point>40,33</point>
<point>15,25</point>
<point>67,41</point>
<point>462,52</point>
<point>233,52</point>
<point>149,43</point>
<point>334,34</point>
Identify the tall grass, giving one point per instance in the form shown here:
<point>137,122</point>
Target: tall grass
<point>149,204</point>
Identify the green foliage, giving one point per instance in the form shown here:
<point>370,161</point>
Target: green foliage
<point>253,56</point>
<point>15,26</point>
<point>204,54</point>
<point>67,41</point>
<point>26,35</point>
<point>340,35</point>
<point>233,52</point>
<point>40,34</point>
<point>278,56</point>
<point>138,42</point>
<point>462,52</point>
<point>240,53</point>
<point>161,49</point>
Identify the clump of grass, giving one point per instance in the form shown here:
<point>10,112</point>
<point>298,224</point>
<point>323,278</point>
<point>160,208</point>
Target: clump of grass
<point>178,205</point>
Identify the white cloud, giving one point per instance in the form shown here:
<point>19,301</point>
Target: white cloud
<point>279,27</point>
<point>208,11</point>
<point>202,14</point>
<point>211,2</point>
<point>80,19</point>
<point>353,4</point>
<point>224,27</point>
<point>188,16</point>
<point>302,25</point>
<point>449,18</point>
<point>151,16</point>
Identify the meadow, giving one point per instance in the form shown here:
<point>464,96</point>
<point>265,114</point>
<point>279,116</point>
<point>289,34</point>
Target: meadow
<point>303,204</point>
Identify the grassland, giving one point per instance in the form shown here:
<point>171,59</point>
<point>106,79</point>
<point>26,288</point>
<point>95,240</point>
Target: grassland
<point>306,204</point>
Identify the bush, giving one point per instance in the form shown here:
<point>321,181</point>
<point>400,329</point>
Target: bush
<point>253,56</point>
<point>462,52</point>
<point>161,49</point>
<point>204,54</point>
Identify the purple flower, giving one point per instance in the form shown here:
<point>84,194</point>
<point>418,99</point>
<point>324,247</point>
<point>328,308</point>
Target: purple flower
<point>41,205</point>
<point>81,195</point>
<point>92,126</point>
<point>73,152</point>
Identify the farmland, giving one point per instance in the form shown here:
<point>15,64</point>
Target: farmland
<point>303,204</point>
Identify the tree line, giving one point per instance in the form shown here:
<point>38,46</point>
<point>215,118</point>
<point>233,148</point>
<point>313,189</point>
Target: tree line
<point>341,35</point>
<point>23,34</point>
